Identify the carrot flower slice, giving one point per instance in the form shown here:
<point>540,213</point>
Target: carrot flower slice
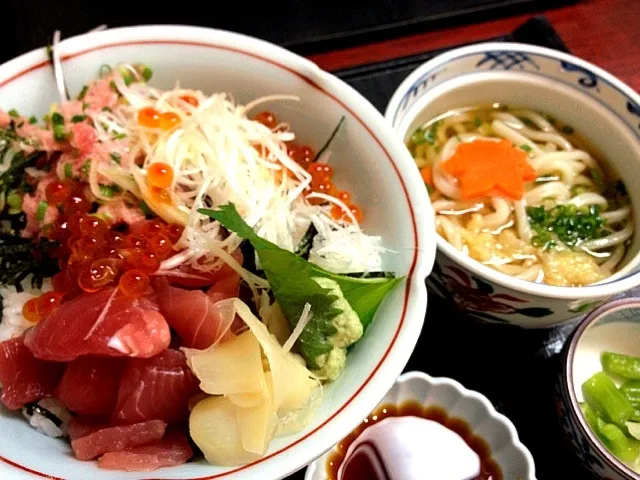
<point>485,168</point>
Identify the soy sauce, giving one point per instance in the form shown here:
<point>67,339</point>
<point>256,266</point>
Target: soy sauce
<point>489,469</point>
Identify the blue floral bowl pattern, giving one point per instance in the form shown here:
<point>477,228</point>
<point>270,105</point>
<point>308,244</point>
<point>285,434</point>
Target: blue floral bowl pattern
<point>611,93</point>
<point>597,104</point>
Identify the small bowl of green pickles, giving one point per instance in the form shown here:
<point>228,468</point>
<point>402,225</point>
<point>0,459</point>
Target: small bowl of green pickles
<point>601,390</point>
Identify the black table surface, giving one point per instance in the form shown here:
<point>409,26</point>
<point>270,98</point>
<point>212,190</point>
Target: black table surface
<point>304,26</point>
<point>516,369</point>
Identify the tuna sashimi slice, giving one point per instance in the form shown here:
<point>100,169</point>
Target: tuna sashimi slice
<point>172,450</point>
<point>116,439</point>
<point>24,378</point>
<point>89,385</point>
<point>81,426</point>
<point>106,323</point>
<point>158,388</point>
<point>193,314</point>
<point>227,287</point>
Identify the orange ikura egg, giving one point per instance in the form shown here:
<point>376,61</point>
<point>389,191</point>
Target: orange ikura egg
<point>134,283</point>
<point>160,175</point>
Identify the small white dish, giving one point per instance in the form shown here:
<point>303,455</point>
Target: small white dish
<point>494,428</point>
<point>614,327</point>
<point>595,103</point>
<point>367,157</point>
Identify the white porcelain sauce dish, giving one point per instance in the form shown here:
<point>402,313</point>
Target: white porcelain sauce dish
<point>497,431</point>
<point>367,157</point>
<point>598,106</point>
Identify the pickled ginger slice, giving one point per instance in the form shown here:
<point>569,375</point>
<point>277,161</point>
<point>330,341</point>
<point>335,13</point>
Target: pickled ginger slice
<point>293,384</point>
<point>232,367</point>
<point>258,424</point>
<point>214,427</point>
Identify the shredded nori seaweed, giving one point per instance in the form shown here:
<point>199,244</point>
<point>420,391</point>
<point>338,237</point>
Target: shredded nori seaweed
<point>370,275</point>
<point>328,142</point>
<point>33,408</point>
<point>304,247</point>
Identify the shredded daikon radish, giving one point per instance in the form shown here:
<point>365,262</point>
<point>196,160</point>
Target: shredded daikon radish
<point>304,319</point>
<point>219,155</point>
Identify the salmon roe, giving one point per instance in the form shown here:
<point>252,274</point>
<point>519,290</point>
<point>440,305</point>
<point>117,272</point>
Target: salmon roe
<point>193,101</point>
<point>30,310</point>
<point>96,256</point>
<point>266,118</point>
<point>160,175</point>
<point>134,283</point>
<point>321,174</point>
<point>151,118</point>
<point>56,192</point>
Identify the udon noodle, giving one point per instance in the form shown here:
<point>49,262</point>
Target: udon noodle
<point>570,226</point>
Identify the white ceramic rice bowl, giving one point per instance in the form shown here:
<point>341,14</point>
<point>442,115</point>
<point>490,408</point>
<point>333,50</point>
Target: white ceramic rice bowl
<point>494,428</point>
<point>368,160</point>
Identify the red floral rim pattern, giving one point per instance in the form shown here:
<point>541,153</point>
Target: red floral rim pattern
<point>395,168</point>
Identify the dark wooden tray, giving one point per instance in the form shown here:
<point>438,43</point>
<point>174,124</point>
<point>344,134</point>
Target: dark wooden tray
<point>516,369</point>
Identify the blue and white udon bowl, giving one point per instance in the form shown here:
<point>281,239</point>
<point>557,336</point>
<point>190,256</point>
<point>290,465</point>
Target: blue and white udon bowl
<point>600,107</point>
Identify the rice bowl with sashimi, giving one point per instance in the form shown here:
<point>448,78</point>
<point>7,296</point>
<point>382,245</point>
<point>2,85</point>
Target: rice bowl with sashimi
<point>156,241</point>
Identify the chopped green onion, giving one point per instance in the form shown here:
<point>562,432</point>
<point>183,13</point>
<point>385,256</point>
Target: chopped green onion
<point>78,118</point>
<point>113,85</point>
<point>525,147</point>
<point>83,92</point>
<point>145,208</point>
<point>85,106</point>
<point>566,129</point>
<point>104,70</point>
<point>120,136</point>
<point>86,167</point>
<point>477,122</point>
<point>115,156</point>
<point>147,73</point>
<point>570,224</point>
<point>418,137</point>
<point>33,120</point>
<point>13,113</point>
<point>430,135</point>
<point>57,119</point>
<point>59,133</point>
<point>68,170</point>
<point>41,210</point>
<point>108,190</point>
<point>14,200</point>
<point>106,109</point>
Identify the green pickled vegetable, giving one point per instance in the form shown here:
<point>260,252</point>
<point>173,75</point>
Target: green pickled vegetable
<point>604,397</point>
<point>631,388</point>
<point>591,416</point>
<point>622,446</point>
<point>624,366</point>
